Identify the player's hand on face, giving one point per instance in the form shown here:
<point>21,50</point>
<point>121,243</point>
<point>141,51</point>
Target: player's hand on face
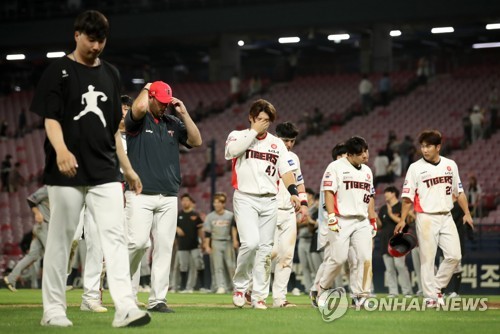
<point>468,220</point>
<point>260,125</point>
<point>66,162</point>
<point>133,181</point>
<point>399,227</point>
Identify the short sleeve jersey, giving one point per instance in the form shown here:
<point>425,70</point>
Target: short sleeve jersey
<point>284,197</point>
<point>219,225</point>
<point>86,102</point>
<point>189,222</point>
<point>430,186</point>
<point>352,187</point>
<point>153,151</point>
<point>258,169</point>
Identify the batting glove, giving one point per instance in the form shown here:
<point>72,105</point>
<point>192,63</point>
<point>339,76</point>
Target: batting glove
<point>373,223</point>
<point>333,223</point>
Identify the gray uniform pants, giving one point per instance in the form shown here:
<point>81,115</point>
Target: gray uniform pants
<point>224,262</point>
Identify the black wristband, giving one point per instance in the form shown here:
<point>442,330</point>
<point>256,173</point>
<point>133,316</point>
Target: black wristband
<point>304,203</point>
<point>292,189</point>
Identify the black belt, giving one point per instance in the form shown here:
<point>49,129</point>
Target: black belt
<point>262,195</point>
<point>150,193</point>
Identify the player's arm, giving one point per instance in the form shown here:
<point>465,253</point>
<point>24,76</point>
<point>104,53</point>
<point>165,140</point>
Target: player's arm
<point>206,243</point>
<point>141,104</point>
<point>464,205</point>
<point>372,216</point>
<point>37,214</point>
<point>66,161</point>
<point>193,133</point>
<point>238,142</point>
<point>130,175</point>
<point>180,232</point>
<point>405,209</point>
<point>289,182</point>
<point>234,235</point>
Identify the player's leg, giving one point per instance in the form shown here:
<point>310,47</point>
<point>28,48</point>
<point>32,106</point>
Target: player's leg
<point>415,259</point>
<point>163,236</point>
<point>34,254</point>
<point>427,233</point>
<point>361,239</point>
<point>230,263</point>
<point>449,242</point>
<point>91,298</point>
<point>305,261</point>
<point>287,235</point>
<point>218,250</point>
<point>261,273</point>
<point>339,246</point>
<point>105,204</point>
<point>65,206</point>
<point>390,275</point>
<point>352,263</point>
<point>247,221</point>
<point>403,275</point>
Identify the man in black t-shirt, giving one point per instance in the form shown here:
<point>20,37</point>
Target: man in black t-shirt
<point>388,217</point>
<point>189,235</point>
<point>79,98</point>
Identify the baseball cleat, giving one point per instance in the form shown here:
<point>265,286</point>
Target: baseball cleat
<point>9,285</point>
<point>285,303</point>
<point>430,303</point>
<point>161,308</point>
<point>440,298</point>
<point>313,295</point>
<point>134,318</point>
<point>259,305</point>
<point>238,299</point>
<point>92,306</point>
<point>220,291</point>
<point>60,321</point>
<point>248,298</point>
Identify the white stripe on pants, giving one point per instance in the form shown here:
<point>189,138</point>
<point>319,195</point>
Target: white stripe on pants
<point>105,203</point>
<point>435,231</point>
<point>256,220</point>
<point>154,215</point>
<point>285,236</point>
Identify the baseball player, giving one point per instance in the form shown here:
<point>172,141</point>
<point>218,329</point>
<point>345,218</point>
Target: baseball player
<point>153,137</point>
<point>259,159</point>
<point>285,233</point>
<point>218,231</point>
<point>348,189</point>
<point>79,98</point>
<point>430,184</point>
<point>39,204</point>
<point>395,267</point>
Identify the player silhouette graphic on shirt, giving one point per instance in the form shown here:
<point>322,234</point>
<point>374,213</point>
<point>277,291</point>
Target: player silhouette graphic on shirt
<point>91,98</point>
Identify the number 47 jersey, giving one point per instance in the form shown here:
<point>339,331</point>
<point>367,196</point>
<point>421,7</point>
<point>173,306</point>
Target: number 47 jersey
<point>257,163</point>
<point>352,187</point>
<point>430,186</point>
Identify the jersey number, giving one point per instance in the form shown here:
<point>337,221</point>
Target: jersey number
<point>366,198</point>
<point>448,190</point>
<point>271,170</point>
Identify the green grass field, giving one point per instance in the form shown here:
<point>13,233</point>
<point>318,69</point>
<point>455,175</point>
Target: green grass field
<point>207,313</point>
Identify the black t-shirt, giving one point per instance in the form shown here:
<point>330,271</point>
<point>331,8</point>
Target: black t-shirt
<point>153,150</point>
<point>86,102</point>
<point>189,222</point>
<point>388,225</point>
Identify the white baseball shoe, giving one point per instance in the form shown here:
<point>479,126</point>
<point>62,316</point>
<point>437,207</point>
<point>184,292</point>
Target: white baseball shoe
<point>282,303</point>
<point>259,305</point>
<point>238,299</point>
<point>134,318</point>
<point>220,291</point>
<point>60,321</point>
<point>93,306</point>
<point>440,299</point>
<point>9,285</point>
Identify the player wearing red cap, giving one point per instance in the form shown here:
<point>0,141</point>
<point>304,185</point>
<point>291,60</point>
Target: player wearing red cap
<point>153,138</point>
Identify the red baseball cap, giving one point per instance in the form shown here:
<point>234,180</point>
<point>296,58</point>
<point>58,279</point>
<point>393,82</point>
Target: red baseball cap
<point>161,91</point>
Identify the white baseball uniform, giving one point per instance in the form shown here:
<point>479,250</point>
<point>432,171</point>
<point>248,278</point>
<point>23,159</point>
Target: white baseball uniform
<point>430,187</point>
<point>285,237</point>
<point>353,189</point>
<point>257,166</point>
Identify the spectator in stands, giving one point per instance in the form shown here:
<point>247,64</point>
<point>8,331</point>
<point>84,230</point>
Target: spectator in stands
<point>423,71</point>
<point>384,88</point>
<point>395,167</point>
<point>317,121</point>
<point>3,129</point>
<point>476,120</point>
<point>5,171</point>
<point>235,88</point>
<point>21,123</point>
<point>493,105</point>
<point>189,234</point>
<point>474,196</point>
<point>16,179</point>
<point>365,92</point>
<point>467,126</point>
<point>381,168</point>
<point>255,86</point>
<point>406,150</point>
<point>199,112</point>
